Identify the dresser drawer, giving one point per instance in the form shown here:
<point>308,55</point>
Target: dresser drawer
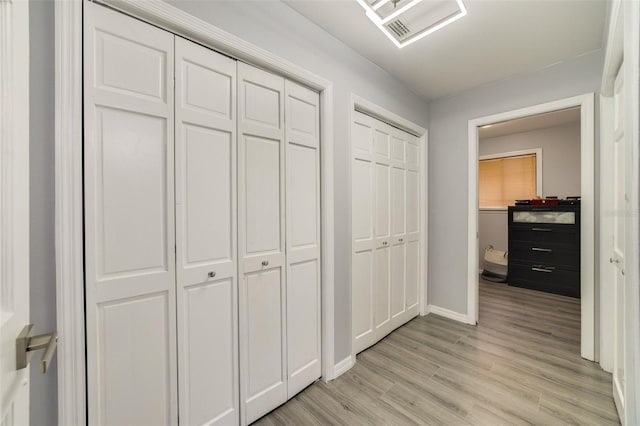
<point>545,253</point>
<point>541,277</point>
<point>550,234</point>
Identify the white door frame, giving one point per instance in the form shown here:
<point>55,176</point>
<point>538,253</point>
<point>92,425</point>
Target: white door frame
<point>587,215</point>
<point>69,185</point>
<point>622,43</point>
<point>365,106</point>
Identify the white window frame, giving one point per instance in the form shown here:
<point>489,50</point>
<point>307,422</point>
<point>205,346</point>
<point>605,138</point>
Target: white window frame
<point>538,154</point>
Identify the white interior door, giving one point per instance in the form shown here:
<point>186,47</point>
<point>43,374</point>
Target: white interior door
<point>302,132</point>
<point>14,207</point>
<point>412,239</point>
<point>385,212</point>
<point>129,221</point>
<point>398,227</point>
<point>206,250</point>
<point>382,230</point>
<point>618,257</point>
<point>261,242</point>
<point>362,244</point>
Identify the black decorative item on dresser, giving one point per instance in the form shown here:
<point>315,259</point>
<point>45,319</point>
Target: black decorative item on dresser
<point>544,248</point>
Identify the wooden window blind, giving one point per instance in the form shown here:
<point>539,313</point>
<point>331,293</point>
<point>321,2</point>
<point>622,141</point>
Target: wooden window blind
<point>504,180</point>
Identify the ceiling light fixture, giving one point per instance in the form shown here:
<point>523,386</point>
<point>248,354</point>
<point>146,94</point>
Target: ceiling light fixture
<point>407,21</point>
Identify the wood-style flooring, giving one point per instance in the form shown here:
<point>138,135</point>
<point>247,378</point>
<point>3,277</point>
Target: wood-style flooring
<point>520,365</point>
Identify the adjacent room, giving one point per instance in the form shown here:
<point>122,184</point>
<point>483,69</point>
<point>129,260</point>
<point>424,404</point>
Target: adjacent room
<point>319,212</point>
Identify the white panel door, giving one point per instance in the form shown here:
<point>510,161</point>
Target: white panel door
<point>129,221</point>
<point>362,244</point>
<point>14,209</point>
<point>382,230</point>
<point>302,133</point>
<point>206,235</point>
<point>385,261</point>
<point>398,227</point>
<point>618,257</point>
<point>412,238</point>
<point>261,242</point>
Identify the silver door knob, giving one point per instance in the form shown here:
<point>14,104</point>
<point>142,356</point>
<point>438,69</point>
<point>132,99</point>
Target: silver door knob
<point>401,239</point>
<point>384,243</point>
<point>211,274</point>
<point>265,263</point>
<point>612,260</point>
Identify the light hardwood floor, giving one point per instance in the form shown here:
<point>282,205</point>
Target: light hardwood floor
<point>520,365</point>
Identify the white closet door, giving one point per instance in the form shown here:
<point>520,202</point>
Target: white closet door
<point>261,230</point>
<point>412,239</point>
<point>398,227</point>
<point>303,236</point>
<point>362,195</point>
<point>382,230</point>
<point>385,259</point>
<point>206,235</point>
<point>129,221</point>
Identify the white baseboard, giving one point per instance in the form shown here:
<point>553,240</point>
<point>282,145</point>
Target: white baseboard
<point>425,311</point>
<point>343,366</point>
<point>456,316</point>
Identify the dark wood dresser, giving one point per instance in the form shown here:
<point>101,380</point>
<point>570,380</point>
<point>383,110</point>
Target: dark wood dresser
<point>544,248</point>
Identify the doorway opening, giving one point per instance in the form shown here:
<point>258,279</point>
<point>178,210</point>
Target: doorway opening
<point>566,178</point>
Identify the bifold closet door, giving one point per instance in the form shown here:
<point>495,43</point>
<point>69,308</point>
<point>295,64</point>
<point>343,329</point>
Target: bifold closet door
<point>385,229</point>
<point>302,132</point>
<point>398,228</point>
<point>362,194</point>
<point>412,236</point>
<point>261,241</point>
<point>205,164</point>
<point>382,230</point>
<point>129,221</point>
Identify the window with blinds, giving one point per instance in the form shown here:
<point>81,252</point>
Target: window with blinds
<point>504,180</point>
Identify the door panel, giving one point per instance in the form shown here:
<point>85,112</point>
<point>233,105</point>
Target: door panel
<point>14,210</point>
<point>205,235</point>
<point>619,243</point>
<point>397,282</point>
<point>382,291</point>
<point>261,228</point>
<point>133,363</point>
<point>129,221</point>
<point>362,218</point>
<point>131,188</point>
<point>264,332</point>
<point>263,206</point>
<point>302,134</point>
<point>383,201</point>
<point>413,274</point>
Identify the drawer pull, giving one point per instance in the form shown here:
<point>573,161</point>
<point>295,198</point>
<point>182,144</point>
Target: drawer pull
<point>536,269</point>
<point>546,250</point>
<point>542,229</point>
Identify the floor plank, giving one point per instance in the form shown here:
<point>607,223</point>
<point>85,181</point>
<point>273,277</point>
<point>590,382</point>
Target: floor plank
<point>520,365</point>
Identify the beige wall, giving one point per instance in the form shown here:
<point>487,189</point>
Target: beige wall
<point>560,172</point>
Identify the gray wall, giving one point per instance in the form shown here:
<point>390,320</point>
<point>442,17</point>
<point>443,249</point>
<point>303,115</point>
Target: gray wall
<point>448,159</point>
<point>279,29</point>
<point>43,398</point>
<point>560,173</point>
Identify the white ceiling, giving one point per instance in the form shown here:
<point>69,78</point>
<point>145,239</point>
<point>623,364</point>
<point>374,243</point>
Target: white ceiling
<point>532,122</point>
<point>497,38</point>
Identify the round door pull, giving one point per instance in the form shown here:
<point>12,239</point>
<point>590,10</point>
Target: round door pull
<point>384,243</point>
<point>401,239</point>
<point>265,263</point>
<point>211,274</point>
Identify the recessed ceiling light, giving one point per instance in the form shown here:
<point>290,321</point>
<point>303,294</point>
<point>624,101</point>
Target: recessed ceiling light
<point>407,21</point>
